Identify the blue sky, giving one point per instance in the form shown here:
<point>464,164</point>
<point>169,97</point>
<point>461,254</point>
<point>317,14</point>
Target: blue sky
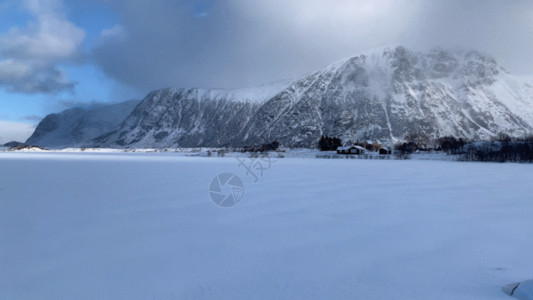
<point>91,83</point>
<point>55,54</point>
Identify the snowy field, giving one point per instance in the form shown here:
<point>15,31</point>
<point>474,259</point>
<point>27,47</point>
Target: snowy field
<point>143,226</point>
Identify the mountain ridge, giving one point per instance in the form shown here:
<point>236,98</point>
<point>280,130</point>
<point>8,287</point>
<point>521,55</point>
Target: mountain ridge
<point>76,126</point>
<point>390,94</point>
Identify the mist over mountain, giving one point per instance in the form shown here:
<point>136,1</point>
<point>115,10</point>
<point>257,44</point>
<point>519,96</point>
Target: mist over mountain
<point>76,126</point>
<point>389,94</point>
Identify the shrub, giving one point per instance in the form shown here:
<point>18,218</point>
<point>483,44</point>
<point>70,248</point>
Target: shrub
<point>273,146</point>
<point>450,144</point>
<point>327,143</point>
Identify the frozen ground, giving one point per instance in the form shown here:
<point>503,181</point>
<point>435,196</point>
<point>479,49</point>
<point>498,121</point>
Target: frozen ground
<point>142,226</point>
<point>210,152</point>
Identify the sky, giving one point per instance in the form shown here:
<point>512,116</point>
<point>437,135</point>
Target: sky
<point>57,54</point>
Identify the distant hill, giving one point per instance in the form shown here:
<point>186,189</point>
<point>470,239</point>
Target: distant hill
<point>13,144</point>
<point>77,126</point>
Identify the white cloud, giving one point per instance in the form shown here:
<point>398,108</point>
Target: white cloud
<point>12,69</point>
<point>116,31</point>
<point>44,7</point>
<point>31,54</point>
<point>14,131</point>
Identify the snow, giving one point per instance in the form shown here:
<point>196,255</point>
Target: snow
<point>521,290</point>
<point>256,94</point>
<point>106,225</point>
<point>512,92</point>
<point>261,93</point>
<point>386,93</point>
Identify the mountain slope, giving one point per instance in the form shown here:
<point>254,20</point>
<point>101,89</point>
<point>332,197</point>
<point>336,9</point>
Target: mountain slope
<point>187,118</point>
<point>386,94</point>
<point>76,126</point>
<point>395,94</point>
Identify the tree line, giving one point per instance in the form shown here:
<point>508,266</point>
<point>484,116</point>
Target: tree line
<point>501,148</point>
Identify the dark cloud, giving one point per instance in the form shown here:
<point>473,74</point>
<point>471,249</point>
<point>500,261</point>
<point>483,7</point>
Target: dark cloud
<point>46,79</point>
<point>236,43</point>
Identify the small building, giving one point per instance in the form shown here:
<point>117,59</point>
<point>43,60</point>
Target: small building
<point>351,150</point>
<point>343,150</point>
<point>373,145</point>
<point>384,150</point>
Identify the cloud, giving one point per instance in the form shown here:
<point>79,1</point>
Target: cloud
<point>14,131</point>
<point>235,43</point>
<point>500,28</point>
<point>32,118</point>
<point>66,104</point>
<point>29,56</point>
<point>114,33</point>
<point>240,43</point>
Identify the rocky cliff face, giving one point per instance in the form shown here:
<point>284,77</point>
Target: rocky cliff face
<point>397,94</point>
<point>186,118</point>
<point>385,94</point>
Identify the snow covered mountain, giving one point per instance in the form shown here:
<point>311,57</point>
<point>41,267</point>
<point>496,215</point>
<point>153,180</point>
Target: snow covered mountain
<point>77,126</point>
<point>397,94</point>
<point>386,94</point>
<point>189,118</point>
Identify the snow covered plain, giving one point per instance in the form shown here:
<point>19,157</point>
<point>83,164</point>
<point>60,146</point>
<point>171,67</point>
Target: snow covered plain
<point>142,226</point>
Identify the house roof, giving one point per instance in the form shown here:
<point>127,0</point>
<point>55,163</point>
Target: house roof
<point>351,147</point>
<point>345,148</point>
